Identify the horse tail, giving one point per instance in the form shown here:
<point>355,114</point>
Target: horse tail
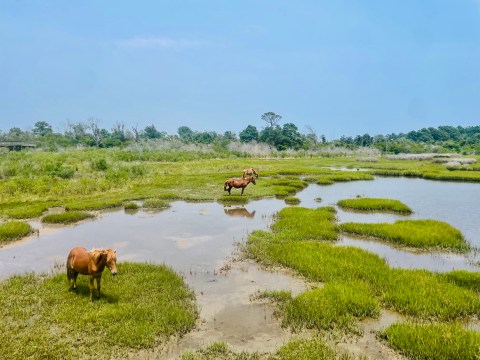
<point>70,272</point>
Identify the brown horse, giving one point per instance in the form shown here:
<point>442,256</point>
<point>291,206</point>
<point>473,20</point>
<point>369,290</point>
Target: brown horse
<point>249,172</point>
<point>238,183</point>
<point>91,263</point>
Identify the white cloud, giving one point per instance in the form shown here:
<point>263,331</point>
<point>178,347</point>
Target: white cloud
<point>161,42</point>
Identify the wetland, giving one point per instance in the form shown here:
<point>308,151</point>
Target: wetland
<point>204,241</point>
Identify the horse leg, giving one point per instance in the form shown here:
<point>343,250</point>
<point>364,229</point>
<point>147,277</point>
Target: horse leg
<point>229,189</point>
<point>75,280</point>
<point>98,285</point>
<point>92,287</point>
<point>242,190</point>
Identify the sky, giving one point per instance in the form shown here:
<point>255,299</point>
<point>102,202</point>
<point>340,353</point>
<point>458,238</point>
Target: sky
<point>344,67</point>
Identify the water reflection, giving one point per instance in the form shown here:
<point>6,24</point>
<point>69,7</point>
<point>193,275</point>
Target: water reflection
<point>239,211</point>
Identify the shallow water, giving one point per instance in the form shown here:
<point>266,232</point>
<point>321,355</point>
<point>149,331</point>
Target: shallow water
<point>198,240</point>
<point>198,237</point>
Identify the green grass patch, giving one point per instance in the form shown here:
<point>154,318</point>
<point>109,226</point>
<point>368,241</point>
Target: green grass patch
<point>465,279</point>
<point>434,341</point>
<point>155,204</point>
<point>94,204</point>
<point>291,200</point>
<point>140,307</point>
<point>67,217</point>
<point>301,349</point>
<point>25,210</point>
<point>130,206</point>
<point>424,234</point>
<point>371,204</point>
<point>423,294</point>
<point>417,293</point>
<point>337,305</point>
<point>13,230</point>
<point>299,223</point>
<point>307,349</point>
<point>233,199</point>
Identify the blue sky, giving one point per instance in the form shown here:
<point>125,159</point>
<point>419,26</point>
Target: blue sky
<point>341,67</point>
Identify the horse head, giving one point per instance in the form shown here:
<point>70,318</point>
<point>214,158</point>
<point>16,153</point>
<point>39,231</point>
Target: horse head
<point>112,261</point>
<point>107,257</point>
<point>252,179</point>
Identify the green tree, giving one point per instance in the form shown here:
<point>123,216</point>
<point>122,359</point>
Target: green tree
<point>290,138</point>
<point>185,133</point>
<point>42,128</point>
<point>152,133</point>
<point>250,133</point>
<point>230,136</point>
<point>271,119</point>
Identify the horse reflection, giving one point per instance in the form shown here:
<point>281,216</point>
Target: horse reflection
<point>239,211</point>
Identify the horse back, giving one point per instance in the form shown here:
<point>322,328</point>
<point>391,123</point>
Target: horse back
<point>78,260</point>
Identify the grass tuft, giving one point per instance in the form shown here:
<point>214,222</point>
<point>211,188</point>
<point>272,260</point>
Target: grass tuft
<point>14,230</point>
<point>434,341</point>
<point>372,204</point>
<point>425,234</point>
<point>67,217</point>
<point>155,204</point>
<point>291,200</point>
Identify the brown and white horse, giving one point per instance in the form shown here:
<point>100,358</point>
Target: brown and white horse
<point>238,183</point>
<point>249,172</point>
<point>91,263</point>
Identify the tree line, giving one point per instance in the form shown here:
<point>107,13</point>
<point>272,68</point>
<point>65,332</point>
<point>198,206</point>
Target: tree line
<point>281,137</point>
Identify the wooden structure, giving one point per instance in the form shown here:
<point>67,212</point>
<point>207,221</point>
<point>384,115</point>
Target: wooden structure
<point>17,145</point>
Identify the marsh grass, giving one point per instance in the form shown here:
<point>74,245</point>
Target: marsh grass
<point>13,230</point>
<point>104,178</point>
<point>305,224</point>
<point>142,305</point>
<point>336,305</point>
<point>220,351</point>
<point>94,204</point>
<point>130,206</point>
<point>424,234</point>
<point>416,293</point>
<point>291,200</point>
<point>375,204</point>
<point>433,341</point>
<point>155,204</point>
<point>300,349</point>
<point>307,349</point>
<point>423,294</point>
<point>67,217</point>
<point>462,278</point>
<point>234,199</point>
<point>25,210</point>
